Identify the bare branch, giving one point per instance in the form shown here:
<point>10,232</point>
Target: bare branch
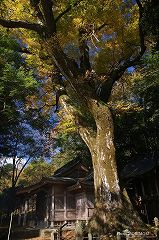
<point>20,24</point>
<point>67,10</point>
<point>18,175</point>
<point>13,170</point>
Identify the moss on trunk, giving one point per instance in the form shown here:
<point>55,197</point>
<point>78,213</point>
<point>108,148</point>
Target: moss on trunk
<point>113,210</point>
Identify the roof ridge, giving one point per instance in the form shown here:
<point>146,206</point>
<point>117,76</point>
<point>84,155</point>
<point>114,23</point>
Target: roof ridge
<point>69,165</point>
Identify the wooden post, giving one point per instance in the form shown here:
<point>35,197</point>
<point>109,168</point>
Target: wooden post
<point>25,212</point>
<point>118,236</point>
<point>142,187</point>
<point>79,230</point>
<point>10,225</point>
<point>52,209</point>
<point>47,211</point>
<point>146,213</point>
<point>19,219</point>
<point>86,206</point>
<point>90,237</point>
<point>156,185</point>
<point>65,206</point>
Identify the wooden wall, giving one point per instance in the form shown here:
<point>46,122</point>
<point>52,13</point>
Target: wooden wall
<point>55,205</point>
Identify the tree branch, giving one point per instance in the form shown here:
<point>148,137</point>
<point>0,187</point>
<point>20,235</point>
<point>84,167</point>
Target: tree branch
<point>133,61</point>
<point>48,16</point>
<point>35,5</point>
<point>13,170</point>
<point>20,24</point>
<point>105,88</point>
<point>18,175</point>
<point>39,14</point>
<point>84,50</point>
<point>67,66</point>
<point>140,6</point>
<point>25,50</point>
<point>100,27</point>
<point>67,10</point>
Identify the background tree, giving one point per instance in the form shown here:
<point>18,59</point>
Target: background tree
<point>113,32</point>
<point>21,139</point>
<point>16,79</point>
<point>35,171</point>
<point>136,113</point>
<point>150,22</point>
<point>22,144</point>
<point>67,142</point>
<point>5,175</point>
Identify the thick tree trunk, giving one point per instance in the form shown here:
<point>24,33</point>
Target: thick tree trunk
<point>113,211</point>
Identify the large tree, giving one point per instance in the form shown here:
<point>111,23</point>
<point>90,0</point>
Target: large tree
<point>89,46</point>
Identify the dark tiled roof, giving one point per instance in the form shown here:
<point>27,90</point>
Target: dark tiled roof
<point>61,179</point>
<point>70,165</point>
<point>57,178</point>
<point>133,169</point>
<point>46,181</point>
<point>81,185</point>
<point>84,183</point>
<point>139,167</point>
<point>89,178</point>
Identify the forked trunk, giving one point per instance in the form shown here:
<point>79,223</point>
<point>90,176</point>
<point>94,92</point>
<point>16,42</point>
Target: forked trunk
<point>113,211</point>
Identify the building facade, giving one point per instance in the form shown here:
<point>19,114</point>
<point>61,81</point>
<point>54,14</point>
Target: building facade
<point>67,198</point>
<point>63,198</point>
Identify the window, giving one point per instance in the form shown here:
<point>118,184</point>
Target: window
<point>59,202</point>
<point>71,204</point>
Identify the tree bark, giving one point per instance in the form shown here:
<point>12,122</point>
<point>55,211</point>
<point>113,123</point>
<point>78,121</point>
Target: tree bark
<point>113,210</point>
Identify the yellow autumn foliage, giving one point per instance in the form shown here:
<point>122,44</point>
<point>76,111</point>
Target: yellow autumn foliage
<point>117,40</point>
